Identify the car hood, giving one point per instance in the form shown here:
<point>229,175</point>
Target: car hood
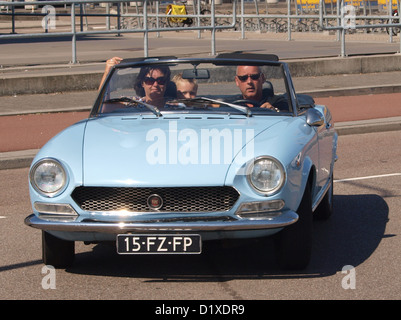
<point>167,151</point>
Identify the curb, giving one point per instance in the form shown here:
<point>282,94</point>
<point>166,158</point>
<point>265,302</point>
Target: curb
<point>368,126</point>
<point>17,159</point>
<point>354,91</point>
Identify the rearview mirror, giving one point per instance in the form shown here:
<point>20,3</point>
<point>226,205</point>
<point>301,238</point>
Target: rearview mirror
<point>196,74</point>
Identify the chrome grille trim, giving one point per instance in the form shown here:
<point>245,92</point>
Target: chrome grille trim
<point>195,219</point>
<point>175,199</point>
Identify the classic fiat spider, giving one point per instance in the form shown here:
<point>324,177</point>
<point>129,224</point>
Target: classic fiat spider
<point>159,168</point>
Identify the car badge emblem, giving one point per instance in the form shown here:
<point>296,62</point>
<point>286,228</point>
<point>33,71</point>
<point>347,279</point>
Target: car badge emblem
<point>155,202</point>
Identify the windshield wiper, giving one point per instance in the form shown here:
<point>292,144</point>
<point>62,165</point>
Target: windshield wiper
<point>242,109</point>
<point>132,102</point>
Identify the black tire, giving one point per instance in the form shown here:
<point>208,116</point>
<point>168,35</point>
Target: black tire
<point>394,30</point>
<point>175,23</point>
<point>325,208</point>
<point>294,243</point>
<point>57,252</point>
<point>205,21</point>
<point>188,22</point>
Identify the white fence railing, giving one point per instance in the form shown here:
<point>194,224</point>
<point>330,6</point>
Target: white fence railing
<point>147,16</point>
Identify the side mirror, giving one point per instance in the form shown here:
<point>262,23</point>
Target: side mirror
<point>314,118</point>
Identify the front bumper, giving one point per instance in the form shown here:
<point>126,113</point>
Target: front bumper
<point>283,220</point>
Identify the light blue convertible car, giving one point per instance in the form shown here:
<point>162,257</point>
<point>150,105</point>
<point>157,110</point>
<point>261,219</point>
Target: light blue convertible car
<point>158,168</point>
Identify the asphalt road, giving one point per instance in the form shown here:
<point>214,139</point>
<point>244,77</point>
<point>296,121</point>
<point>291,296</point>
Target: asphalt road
<point>364,233</point>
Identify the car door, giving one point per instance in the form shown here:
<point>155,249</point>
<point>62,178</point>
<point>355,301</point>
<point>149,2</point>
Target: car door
<point>325,134</point>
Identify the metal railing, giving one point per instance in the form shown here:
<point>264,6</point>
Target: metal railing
<point>145,29</point>
<point>298,15</point>
<point>347,20</point>
<point>336,15</point>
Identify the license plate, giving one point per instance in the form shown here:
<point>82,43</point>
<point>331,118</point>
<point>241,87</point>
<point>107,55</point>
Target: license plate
<point>158,244</point>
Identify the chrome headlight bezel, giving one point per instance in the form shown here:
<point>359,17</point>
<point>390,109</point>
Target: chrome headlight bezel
<point>276,179</point>
<point>59,179</point>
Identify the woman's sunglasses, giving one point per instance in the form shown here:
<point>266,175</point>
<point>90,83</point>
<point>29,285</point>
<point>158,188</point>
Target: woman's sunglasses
<point>254,76</point>
<point>150,81</point>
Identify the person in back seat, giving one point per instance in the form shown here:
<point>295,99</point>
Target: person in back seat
<point>186,88</point>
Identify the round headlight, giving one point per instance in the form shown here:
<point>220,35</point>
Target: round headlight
<point>48,177</point>
<point>266,175</point>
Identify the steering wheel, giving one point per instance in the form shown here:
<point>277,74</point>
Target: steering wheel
<point>255,104</point>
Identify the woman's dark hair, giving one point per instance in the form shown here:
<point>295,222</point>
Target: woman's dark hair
<point>142,74</point>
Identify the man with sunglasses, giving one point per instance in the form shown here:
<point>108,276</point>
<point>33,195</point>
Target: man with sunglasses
<point>249,80</point>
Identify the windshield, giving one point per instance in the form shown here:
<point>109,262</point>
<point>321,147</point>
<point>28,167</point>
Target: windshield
<point>195,87</point>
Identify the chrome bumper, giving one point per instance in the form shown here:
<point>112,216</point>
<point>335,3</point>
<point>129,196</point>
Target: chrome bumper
<point>281,221</point>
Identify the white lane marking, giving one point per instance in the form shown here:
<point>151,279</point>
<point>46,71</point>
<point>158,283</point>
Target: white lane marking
<point>369,177</point>
<point>2,217</point>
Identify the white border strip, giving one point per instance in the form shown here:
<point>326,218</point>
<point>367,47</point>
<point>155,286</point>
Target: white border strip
<point>369,177</point>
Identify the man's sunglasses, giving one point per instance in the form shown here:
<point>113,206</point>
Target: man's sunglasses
<point>150,81</point>
<point>254,76</point>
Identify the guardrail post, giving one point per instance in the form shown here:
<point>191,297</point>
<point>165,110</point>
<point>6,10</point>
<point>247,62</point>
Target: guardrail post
<point>242,20</point>
<point>289,19</point>
<point>399,13</point>
<point>340,23</point>
<point>198,10</point>
<point>145,27</point>
<point>390,13</point>
<point>108,16</point>
<point>338,20</point>
<point>157,19</point>
<point>12,18</point>
<point>213,28</point>
<point>342,29</point>
<point>257,12</point>
<point>81,22</point>
<point>74,35</point>
<point>118,18</point>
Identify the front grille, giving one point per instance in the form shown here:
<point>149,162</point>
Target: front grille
<point>177,199</point>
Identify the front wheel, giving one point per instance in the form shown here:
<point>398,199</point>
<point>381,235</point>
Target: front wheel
<point>57,252</point>
<point>294,243</point>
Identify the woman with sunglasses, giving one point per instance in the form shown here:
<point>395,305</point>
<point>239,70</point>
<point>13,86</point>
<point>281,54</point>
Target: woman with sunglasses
<point>152,84</point>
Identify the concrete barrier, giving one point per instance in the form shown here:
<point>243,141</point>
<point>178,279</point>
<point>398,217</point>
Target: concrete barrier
<point>349,65</point>
<point>299,68</point>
